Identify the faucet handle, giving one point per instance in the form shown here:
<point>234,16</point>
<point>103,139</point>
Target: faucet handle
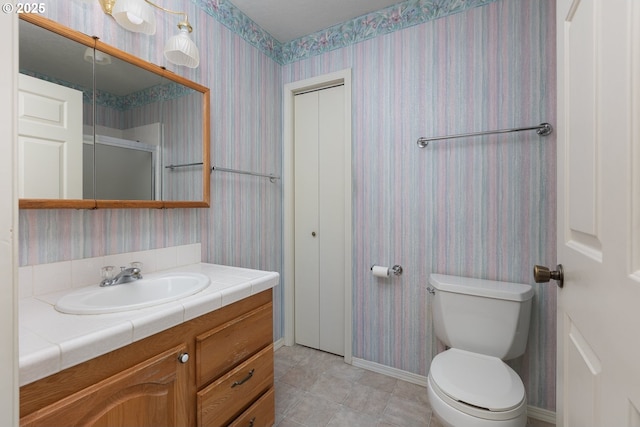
<point>136,266</point>
<point>107,272</point>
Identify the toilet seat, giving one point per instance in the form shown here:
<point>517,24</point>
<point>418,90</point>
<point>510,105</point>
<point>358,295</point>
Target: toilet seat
<point>479,385</point>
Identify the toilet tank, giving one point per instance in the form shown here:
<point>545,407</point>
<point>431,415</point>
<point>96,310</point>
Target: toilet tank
<point>482,316</point>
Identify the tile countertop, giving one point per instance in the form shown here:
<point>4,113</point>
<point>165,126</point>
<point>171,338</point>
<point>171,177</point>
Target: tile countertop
<point>51,341</point>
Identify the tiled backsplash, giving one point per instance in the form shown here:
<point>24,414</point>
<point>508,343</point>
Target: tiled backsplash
<point>41,279</point>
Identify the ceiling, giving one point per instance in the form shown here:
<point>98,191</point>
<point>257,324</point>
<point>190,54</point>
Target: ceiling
<point>288,20</point>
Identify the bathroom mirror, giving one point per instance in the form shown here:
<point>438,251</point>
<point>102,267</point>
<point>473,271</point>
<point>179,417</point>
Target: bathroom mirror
<point>100,128</point>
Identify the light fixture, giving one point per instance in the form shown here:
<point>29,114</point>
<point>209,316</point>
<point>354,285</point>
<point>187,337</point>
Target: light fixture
<point>180,49</point>
<point>137,16</point>
<point>133,15</point>
<point>95,56</point>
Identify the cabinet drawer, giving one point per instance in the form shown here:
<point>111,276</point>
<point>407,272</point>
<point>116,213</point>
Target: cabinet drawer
<point>222,348</point>
<point>260,414</point>
<point>233,393</point>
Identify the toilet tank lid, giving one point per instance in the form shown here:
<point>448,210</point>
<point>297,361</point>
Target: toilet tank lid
<point>480,287</point>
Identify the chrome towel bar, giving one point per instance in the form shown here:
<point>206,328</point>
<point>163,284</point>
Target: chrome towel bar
<point>272,178</point>
<point>543,129</point>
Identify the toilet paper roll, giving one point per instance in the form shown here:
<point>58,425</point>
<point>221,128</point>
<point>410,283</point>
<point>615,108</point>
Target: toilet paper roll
<point>380,271</point>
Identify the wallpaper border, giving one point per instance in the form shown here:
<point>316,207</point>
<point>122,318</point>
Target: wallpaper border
<point>384,21</point>
<point>157,93</point>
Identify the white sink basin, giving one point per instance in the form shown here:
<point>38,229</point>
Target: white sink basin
<point>141,293</point>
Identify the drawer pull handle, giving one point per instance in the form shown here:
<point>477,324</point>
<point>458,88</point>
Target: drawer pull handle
<point>244,380</point>
<point>252,421</point>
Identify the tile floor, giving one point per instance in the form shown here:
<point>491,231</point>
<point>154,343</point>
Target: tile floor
<point>314,388</point>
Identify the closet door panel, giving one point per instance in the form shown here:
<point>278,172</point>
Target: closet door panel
<point>307,268</point>
<point>319,219</point>
<point>331,218</point>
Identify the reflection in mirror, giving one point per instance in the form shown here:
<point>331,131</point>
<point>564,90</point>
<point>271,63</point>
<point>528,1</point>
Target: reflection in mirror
<point>133,126</point>
<point>55,88</point>
<point>182,106</point>
<point>141,126</point>
<point>128,131</point>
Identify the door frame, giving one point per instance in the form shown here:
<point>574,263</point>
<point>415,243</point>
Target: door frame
<point>290,90</point>
<point>9,369</point>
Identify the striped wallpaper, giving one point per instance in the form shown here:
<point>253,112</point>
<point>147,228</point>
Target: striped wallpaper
<point>482,207</point>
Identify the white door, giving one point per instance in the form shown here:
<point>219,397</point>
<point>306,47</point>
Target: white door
<point>49,140</point>
<point>319,219</point>
<point>598,129</point>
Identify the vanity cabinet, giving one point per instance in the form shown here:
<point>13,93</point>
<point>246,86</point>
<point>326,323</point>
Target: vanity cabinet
<point>148,394</point>
<point>215,370</point>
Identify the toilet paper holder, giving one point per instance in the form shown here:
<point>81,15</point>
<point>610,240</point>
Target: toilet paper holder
<point>396,269</point>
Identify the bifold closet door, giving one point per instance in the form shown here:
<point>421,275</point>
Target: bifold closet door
<point>319,219</point>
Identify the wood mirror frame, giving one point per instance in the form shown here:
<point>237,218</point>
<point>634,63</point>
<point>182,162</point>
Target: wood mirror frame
<point>92,42</point>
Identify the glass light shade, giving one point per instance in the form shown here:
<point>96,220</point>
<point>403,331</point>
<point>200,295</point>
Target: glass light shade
<point>101,58</point>
<point>181,50</point>
<point>135,15</point>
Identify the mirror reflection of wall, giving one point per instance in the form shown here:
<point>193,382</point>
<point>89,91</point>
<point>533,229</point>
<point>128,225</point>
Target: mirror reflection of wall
<point>128,131</point>
<point>181,109</point>
<point>130,123</point>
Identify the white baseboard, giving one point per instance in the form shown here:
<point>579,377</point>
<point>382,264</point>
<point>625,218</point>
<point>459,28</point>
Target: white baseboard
<point>278,343</point>
<point>532,411</point>
<point>389,371</point>
<point>541,414</point>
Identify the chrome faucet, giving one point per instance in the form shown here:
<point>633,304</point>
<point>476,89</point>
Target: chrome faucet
<point>126,275</point>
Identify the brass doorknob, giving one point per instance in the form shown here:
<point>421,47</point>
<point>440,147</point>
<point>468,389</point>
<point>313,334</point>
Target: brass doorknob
<point>542,274</point>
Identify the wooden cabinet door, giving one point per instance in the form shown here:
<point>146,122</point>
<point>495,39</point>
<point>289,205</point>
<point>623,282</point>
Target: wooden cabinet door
<point>149,394</point>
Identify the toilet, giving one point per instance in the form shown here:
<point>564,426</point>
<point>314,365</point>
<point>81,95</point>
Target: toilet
<point>482,323</point>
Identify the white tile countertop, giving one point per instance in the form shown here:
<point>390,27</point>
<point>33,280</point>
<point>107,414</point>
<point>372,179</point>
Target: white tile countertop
<point>51,341</point>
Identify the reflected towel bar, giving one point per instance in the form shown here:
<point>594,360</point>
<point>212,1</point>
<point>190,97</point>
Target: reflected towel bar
<point>183,165</point>
<point>543,129</point>
<point>272,178</point>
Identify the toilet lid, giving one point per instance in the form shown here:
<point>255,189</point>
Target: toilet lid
<point>477,379</point>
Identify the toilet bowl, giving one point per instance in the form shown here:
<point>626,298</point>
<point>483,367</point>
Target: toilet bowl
<point>482,322</point>
<point>475,390</point>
